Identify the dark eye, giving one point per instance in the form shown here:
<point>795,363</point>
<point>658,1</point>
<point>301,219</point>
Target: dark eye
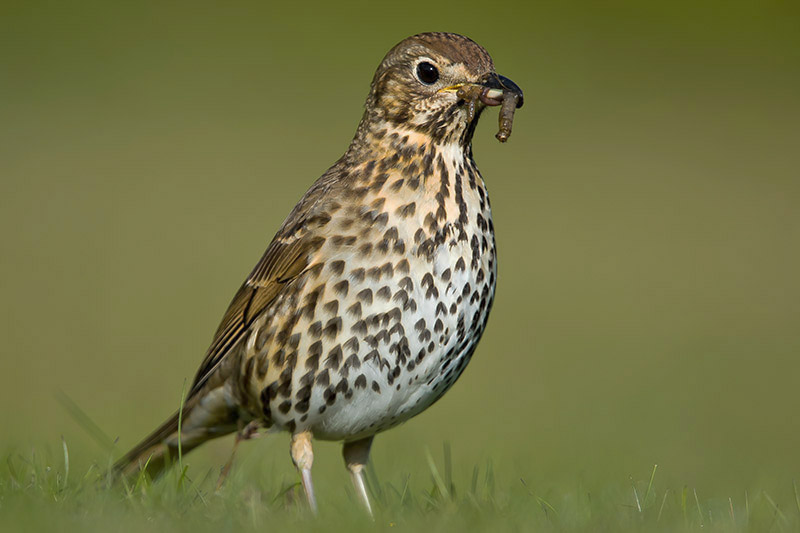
<point>427,73</point>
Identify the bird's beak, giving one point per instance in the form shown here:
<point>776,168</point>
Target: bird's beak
<point>490,90</point>
<point>498,86</point>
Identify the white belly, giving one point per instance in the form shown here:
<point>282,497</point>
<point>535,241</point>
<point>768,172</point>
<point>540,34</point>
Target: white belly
<point>418,361</point>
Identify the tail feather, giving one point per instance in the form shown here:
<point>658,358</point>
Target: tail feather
<point>154,453</point>
<point>160,449</point>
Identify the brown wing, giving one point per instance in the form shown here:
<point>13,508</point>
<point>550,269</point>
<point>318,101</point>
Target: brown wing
<point>285,258</point>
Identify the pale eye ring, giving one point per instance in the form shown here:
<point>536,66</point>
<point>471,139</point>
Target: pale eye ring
<point>427,73</point>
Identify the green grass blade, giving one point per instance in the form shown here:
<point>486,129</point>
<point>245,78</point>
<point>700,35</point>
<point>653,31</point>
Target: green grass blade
<point>650,484</point>
<point>141,479</point>
<point>448,469</point>
<point>636,497</point>
<point>13,472</point>
<point>684,494</point>
<point>83,420</point>
<point>663,502</point>
<point>777,509</point>
<point>488,480</point>
<point>66,461</point>
<point>796,495</point>
<point>746,509</point>
<point>545,506</point>
<point>405,493</point>
<point>699,510</point>
<point>437,478</point>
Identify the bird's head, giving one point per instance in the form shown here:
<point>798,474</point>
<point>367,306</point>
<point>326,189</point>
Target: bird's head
<point>436,84</point>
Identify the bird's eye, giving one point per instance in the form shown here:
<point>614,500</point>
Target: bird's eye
<point>427,73</point>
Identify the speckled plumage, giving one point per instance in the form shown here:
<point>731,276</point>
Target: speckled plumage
<point>370,301</point>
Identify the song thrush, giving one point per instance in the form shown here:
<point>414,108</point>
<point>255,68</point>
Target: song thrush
<point>371,298</point>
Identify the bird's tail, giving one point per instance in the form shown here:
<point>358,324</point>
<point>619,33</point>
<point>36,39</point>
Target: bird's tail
<point>160,449</point>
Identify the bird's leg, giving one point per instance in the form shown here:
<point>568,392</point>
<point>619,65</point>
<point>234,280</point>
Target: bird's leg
<point>250,431</point>
<point>303,458</point>
<point>356,454</point>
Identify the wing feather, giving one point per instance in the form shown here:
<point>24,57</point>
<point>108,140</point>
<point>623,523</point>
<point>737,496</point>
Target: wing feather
<point>287,256</point>
<point>278,267</point>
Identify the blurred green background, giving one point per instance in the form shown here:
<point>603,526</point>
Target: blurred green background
<point>647,212</point>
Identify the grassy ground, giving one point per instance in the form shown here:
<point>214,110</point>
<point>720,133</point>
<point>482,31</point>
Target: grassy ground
<point>41,491</point>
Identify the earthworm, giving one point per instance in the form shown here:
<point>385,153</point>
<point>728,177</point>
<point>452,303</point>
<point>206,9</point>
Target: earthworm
<point>470,94</point>
<point>507,109</point>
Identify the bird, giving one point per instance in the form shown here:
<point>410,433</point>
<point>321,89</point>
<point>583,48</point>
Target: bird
<point>372,296</point>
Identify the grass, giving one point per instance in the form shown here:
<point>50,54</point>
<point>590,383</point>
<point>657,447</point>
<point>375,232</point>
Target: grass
<point>42,491</point>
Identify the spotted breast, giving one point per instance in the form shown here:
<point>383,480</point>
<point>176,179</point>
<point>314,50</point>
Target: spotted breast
<point>385,318</point>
